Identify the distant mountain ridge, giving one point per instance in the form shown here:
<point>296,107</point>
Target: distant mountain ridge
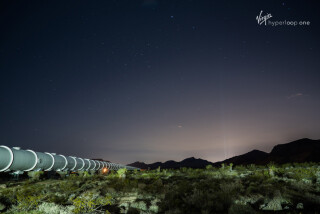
<point>188,162</point>
<point>302,150</point>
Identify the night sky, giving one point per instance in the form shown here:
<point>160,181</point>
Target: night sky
<point>157,80</point>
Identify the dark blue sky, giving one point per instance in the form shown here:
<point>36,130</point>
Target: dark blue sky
<point>157,80</point>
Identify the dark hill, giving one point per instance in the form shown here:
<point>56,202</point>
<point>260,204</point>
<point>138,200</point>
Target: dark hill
<point>140,165</point>
<point>303,150</point>
<point>189,162</point>
<point>253,157</point>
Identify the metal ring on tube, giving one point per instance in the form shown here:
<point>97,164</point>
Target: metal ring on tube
<point>98,166</point>
<point>82,165</point>
<point>52,161</point>
<point>11,158</point>
<point>94,165</point>
<point>66,162</point>
<point>89,164</point>
<point>75,162</point>
<point>36,160</point>
<point>101,164</point>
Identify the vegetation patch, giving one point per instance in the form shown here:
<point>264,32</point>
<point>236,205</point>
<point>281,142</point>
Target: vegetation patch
<point>290,188</point>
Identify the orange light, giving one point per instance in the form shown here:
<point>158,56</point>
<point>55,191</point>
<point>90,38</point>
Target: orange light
<point>105,170</point>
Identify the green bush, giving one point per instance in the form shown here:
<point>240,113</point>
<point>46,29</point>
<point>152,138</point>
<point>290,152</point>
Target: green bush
<point>35,175</point>
<point>28,199</point>
<point>209,167</point>
<point>182,190</point>
<point>90,203</point>
<point>122,172</point>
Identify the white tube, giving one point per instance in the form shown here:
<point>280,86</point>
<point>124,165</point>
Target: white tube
<point>52,161</point>
<point>75,163</point>
<point>82,163</point>
<point>88,164</point>
<point>10,159</point>
<point>35,161</point>
<point>66,164</point>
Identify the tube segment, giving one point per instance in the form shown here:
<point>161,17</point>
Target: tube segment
<point>19,160</point>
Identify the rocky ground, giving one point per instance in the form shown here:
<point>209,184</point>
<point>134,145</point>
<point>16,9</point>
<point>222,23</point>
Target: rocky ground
<point>251,189</point>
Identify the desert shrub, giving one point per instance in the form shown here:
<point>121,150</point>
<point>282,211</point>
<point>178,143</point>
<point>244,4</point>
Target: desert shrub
<point>24,212</point>
<point>90,203</point>
<point>68,186</point>
<point>199,196</point>
<point>259,176</point>
<point>230,166</point>
<point>52,208</point>
<point>184,169</point>
<point>280,172</point>
<point>240,168</point>
<point>97,177</point>
<point>122,172</point>
<point>122,185</point>
<point>174,197</point>
<point>74,177</point>
<point>28,199</point>
<point>158,170</point>
<point>85,174</point>
<point>209,167</point>
<point>156,187</point>
<point>8,196</point>
<point>199,200</point>
<point>252,167</point>
<point>128,184</point>
<point>258,182</point>
<point>241,209</point>
<point>272,168</point>
<point>223,166</point>
<point>35,175</point>
<point>145,175</point>
<point>231,187</point>
<point>133,183</point>
<point>133,210</point>
<point>287,165</point>
<point>303,165</point>
<point>304,173</point>
<point>300,186</point>
<point>57,198</point>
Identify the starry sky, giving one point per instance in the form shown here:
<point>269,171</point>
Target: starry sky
<point>134,80</point>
